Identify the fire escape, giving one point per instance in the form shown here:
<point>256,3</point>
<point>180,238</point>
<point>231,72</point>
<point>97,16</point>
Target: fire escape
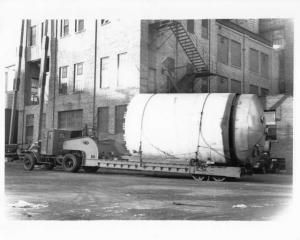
<point>201,69</point>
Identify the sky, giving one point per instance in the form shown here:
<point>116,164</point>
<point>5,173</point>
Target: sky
<point>10,38</point>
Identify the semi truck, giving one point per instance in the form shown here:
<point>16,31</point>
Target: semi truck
<point>206,135</point>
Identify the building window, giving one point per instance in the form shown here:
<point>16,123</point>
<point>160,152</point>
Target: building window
<point>223,49</point>
<point>236,86</point>
<point>254,61</point>
<point>204,84</point>
<point>105,21</point>
<point>264,92</point>
<point>71,120</point>
<point>204,28</point>
<point>32,40</point>
<point>235,51</point>
<point>78,83</point>
<point>151,83</point>
<point>270,120</point>
<point>6,82</point>
<point>278,38</point>
<point>191,26</point>
<point>104,73</point>
<point>253,89</point>
<point>119,118</point>
<point>79,25</point>
<point>10,79</point>
<point>122,69</point>
<point>264,65</point>
<point>44,121</point>
<point>64,27</point>
<point>103,120</point>
<point>222,85</point>
<point>29,128</point>
<point>79,68</point>
<point>34,98</point>
<point>63,80</point>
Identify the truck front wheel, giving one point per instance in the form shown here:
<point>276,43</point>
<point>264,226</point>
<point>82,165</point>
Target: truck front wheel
<point>29,161</point>
<point>71,163</point>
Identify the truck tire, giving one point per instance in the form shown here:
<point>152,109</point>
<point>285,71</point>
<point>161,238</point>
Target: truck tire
<point>71,163</point>
<point>29,161</point>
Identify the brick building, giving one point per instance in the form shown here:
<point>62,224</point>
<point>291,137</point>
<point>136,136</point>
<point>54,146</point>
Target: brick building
<point>281,33</point>
<point>9,82</point>
<point>95,67</point>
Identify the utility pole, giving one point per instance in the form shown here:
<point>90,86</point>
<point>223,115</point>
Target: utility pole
<point>12,129</point>
<point>42,81</point>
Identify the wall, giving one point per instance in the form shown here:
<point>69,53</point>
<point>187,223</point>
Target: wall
<point>112,39</point>
<point>157,45</point>
<point>243,74</point>
<point>283,147</point>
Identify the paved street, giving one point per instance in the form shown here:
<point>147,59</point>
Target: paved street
<point>57,195</point>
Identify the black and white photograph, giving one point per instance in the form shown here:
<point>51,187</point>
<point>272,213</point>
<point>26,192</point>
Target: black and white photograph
<point>139,119</point>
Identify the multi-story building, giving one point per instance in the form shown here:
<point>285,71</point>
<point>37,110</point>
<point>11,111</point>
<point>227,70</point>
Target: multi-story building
<point>9,82</point>
<point>95,67</point>
<point>281,33</point>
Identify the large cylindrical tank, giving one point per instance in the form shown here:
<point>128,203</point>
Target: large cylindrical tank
<point>223,128</point>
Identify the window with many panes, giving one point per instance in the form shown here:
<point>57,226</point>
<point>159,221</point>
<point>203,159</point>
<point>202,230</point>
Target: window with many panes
<point>204,28</point>
<point>32,40</point>
<point>79,25</point>
<point>223,49</point>
<point>264,65</point>
<point>235,52</point>
<point>119,118</point>
<point>71,120</point>
<point>236,86</point>
<point>222,85</point>
<point>63,80</point>
<point>64,27</point>
<point>191,26</point>
<point>104,73</point>
<point>34,98</point>
<point>78,83</point>
<point>29,128</point>
<point>105,21</point>
<point>253,89</point>
<point>103,120</point>
<point>264,92</point>
<point>254,61</point>
<point>122,69</point>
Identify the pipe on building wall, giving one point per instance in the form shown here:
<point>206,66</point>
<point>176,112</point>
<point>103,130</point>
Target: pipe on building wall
<point>95,76</point>
<point>28,23</point>
<point>42,81</point>
<point>12,130</point>
<point>244,49</point>
<point>54,38</point>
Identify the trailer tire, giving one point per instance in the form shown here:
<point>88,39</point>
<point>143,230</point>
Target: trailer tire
<point>71,163</point>
<point>29,161</point>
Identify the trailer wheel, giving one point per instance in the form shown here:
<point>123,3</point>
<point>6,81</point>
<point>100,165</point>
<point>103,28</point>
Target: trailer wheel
<point>199,178</point>
<point>90,169</point>
<point>71,163</point>
<point>218,178</point>
<point>29,161</point>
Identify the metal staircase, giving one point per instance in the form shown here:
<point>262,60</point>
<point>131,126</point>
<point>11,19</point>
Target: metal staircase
<point>187,44</point>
